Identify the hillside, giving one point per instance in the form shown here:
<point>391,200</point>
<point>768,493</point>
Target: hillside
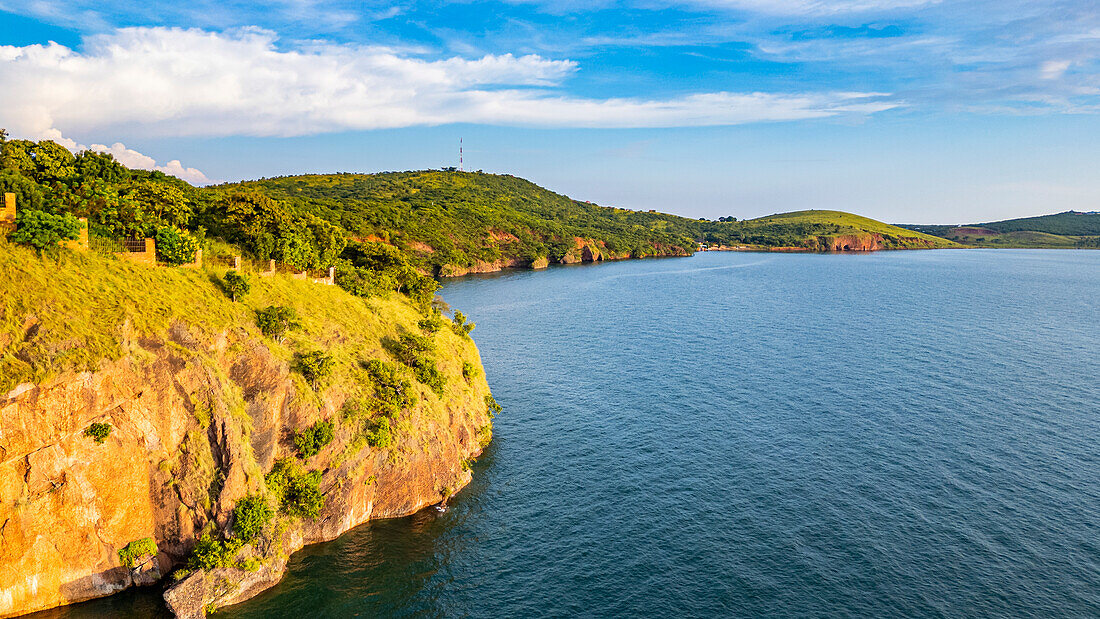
<point>1062,230</point>
<point>817,231</point>
<point>452,223</point>
<point>456,222</point>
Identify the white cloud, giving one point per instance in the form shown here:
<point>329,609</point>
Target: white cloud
<point>133,159</point>
<point>159,81</point>
<point>1054,69</point>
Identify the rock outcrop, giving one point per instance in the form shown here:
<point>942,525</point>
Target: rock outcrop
<point>194,426</point>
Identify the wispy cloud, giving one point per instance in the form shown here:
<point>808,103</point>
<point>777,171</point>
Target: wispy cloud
<point>173,82</point>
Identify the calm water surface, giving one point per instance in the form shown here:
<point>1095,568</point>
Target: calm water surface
<point>905,434</point>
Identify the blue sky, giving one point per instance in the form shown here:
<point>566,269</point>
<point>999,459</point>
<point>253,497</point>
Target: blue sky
<point>917,111</point>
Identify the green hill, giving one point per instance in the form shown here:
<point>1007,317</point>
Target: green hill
<point>454,221</point>
<point>818,230</point>
<point>1062,230</point>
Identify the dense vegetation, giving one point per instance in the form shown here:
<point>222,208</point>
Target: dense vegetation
<point>1061,230</point>
<point>389,232</point>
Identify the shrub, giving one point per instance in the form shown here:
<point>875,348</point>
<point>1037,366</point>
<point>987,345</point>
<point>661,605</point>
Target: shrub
<point>43,230</point>
<point>98,431</point>
<point>210,553</point>
<point>298,492</point>
<point>414,351</point>
<point>236,285</point>
<point>469,371</point>
<point>460,326</point>
<point>491,405</point>
<point>393,390</point>
<point>250,515</point>
<point>130,553</point>
<point>311,440</point>
<point>274,321</point>
<point>315,366</point>
<point>430,324</point>
<point>381,437</point>
<point>175,246</point>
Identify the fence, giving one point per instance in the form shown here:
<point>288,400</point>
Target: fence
<point>141,251</point>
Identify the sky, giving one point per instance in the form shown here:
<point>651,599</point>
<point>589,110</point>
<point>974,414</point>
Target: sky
<point>909,111</point>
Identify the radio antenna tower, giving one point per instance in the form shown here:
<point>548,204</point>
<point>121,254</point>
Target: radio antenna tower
<point>460,154</point>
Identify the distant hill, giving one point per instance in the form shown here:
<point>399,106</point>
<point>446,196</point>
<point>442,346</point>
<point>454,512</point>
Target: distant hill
<point>1061,230</point>
<point>819,230</point>
<point>453,223</point>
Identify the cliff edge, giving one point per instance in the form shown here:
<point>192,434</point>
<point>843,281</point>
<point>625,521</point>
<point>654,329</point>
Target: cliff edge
<point>150,433</point>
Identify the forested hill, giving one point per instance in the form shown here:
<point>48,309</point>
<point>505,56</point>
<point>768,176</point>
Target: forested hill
<point>456,222</point>
<point>463,220</point>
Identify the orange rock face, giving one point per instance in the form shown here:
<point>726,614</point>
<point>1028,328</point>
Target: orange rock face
<point>194,426</point>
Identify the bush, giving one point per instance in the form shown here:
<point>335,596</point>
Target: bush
<point>298,493</point>
<point>469,371</point>
<point>250,516</point>
<point>274,321</point>
<point>236,285</point>
<point>210,553</point>
<point>311,440</point>
<point>381,437</point>
<point>315,366</point>
<point>175,246</point>
<point>460,326</point>
<point>491,405</point>
<point>130,553</point>
<point>415,351</point>
<point>430,324</point>
<point>98,431</point>
<point>393,390</point>
<point>43,231</point>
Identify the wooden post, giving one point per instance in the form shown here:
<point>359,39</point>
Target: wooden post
<point>331,276</point>
<point>236,263</point>
<point>271,266</point>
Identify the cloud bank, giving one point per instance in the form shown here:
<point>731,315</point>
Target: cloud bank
<point>185,82</point>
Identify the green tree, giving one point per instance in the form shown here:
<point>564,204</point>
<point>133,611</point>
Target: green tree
<point>274,321</point>
<point>316,367</point>
<point>43,230</point>
<point>236,285</point>
<point>163,202</point>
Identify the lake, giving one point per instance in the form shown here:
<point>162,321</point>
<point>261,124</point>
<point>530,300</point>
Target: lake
<point>900,434</point>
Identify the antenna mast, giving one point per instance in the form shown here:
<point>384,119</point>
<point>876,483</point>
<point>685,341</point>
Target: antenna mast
<point>460,154</point>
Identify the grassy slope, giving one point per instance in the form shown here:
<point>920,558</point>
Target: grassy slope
<point>848,223</point>
<point>84,303</point>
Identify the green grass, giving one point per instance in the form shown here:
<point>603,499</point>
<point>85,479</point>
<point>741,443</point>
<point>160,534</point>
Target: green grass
<point>848,223</point>
<point>72,313</point>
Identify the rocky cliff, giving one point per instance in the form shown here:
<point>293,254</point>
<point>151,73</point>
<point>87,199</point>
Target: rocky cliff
<point>110,476</point>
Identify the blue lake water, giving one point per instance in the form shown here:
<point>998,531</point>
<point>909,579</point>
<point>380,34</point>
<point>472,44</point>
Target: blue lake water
<point>902,434</point>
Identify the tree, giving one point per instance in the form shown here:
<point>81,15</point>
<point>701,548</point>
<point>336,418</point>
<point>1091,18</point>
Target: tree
<point>165,203</point>
<point>236,285</point>
<point>28,195</point>
<point>460,326</point>
<point>43,230</point>
<point>315,366</point>
<point>274,321</point>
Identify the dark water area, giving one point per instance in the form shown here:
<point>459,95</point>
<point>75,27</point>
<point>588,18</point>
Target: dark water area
<point>899,434</point>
